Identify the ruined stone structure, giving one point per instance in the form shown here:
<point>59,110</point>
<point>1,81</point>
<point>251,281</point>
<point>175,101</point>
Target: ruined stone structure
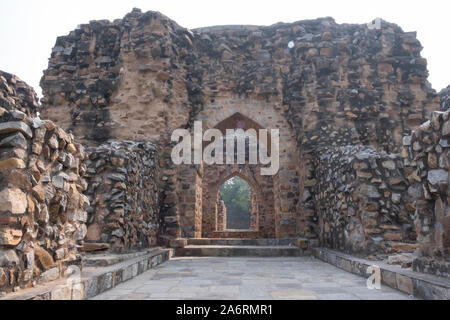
<point>124,194</point>
<point>445,99</point>
<point>359,172</point>
<point>221,214</point>
<point>43,211</point>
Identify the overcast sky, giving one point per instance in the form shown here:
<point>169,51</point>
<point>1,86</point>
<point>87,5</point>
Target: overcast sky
<point>28,28</point>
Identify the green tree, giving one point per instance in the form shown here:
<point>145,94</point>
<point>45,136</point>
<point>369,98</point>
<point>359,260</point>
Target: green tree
<point>236,195</point>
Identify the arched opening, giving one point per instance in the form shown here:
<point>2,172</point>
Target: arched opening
<point>236,210</point>
<point>242,216</point>
<point>239,121</point>
<point>257,212</point>
<point>274,196</point>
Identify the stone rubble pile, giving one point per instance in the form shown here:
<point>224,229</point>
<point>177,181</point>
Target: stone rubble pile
<point>124,193</point>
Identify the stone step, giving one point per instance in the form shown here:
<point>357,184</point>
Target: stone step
<point>235,234</point>
<point>95,247</point>
<point>108,259</point>
<point>238,251</point>
<point>242,242</point>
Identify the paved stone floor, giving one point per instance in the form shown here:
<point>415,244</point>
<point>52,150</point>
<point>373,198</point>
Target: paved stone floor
<point>248,279</point>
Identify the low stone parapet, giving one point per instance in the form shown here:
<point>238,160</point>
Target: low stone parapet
<point>95,280</point>
<point>420,285</point>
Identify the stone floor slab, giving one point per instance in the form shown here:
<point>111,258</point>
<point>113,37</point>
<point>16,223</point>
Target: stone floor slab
<point>215,278</point>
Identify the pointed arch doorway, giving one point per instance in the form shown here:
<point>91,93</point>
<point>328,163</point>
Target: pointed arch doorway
<point>261,201</point>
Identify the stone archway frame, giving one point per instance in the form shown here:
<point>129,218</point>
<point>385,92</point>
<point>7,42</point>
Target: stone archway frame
<point>249,123</point>
<point>287,184</point>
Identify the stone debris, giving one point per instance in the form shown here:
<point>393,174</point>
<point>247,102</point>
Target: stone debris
<point>405,260</point>
<point>90,247</point>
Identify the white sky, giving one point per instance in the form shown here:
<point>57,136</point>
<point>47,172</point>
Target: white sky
<point>28,28</point>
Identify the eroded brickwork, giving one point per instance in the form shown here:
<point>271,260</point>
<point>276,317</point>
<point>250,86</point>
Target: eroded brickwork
<point>221,223</point>
<point>338,84</point>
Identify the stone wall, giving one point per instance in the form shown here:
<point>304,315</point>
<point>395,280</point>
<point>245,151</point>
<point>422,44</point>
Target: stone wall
<point>42,206</point>
<point>221,223</point>
<point>428,151</point>
<point>253,207</point>
<point>336,84</point>
<point>125,196</point>
<point>17,95</point>
<point>321,83</point>
<point>362,201</point>
<point>445,99</point>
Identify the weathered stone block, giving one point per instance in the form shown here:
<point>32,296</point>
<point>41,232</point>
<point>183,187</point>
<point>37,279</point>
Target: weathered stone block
<point>62,292</point>
<point>49,275</point>
<point>8,258</point>
<point>44,258</point>
<point>13,200</point>
<point>438,177</point>
<point>14,126</point>
<point>12,163</point>
<point>10,237</point>
<point>16,140</point>
<point>404,283</point>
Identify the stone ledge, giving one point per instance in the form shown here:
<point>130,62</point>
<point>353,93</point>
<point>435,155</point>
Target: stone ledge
<point>94,280</point>
<point>108,259</point>
<point>239,251</point>
<point>420,285</point>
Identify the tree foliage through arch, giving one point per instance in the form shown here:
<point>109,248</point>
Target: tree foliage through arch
<point>236,196</point>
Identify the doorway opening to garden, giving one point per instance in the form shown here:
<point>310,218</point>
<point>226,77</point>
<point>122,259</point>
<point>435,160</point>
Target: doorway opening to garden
<point>237,205</point>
